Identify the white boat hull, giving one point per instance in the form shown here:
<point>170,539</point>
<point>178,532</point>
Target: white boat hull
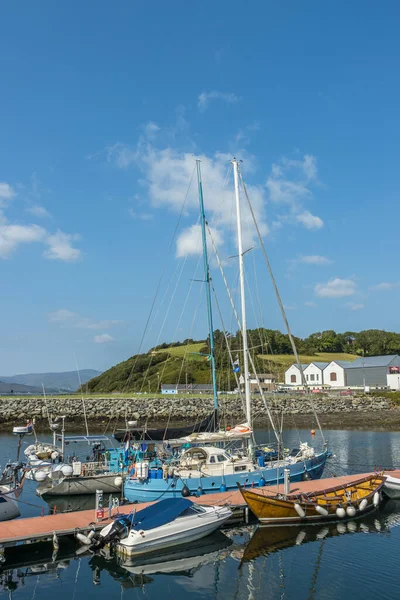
<point>184,530</point>
<point>391,487</point>
<point>8,506</point>
<point>80,485</point>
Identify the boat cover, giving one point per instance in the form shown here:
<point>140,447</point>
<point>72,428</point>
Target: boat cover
<point>144,433</point>
<point>160,513</point>
<point>90,439</point>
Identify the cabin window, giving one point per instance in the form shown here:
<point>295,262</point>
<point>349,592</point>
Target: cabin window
<point>333,377</point>
<point>221,458</point>
<point>312,377</point>
<point>293,379</point>
<point>212,459</point>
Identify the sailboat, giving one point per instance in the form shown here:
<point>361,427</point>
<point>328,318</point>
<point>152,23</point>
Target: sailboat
<point>205,469</point>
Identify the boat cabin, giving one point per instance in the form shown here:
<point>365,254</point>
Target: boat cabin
<point>210,460</point>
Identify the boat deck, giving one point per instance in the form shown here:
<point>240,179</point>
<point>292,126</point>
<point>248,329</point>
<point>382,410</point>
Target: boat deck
<point>35,529</point>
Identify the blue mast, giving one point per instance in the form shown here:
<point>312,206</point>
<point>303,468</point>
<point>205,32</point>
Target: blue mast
<point>211,356</point>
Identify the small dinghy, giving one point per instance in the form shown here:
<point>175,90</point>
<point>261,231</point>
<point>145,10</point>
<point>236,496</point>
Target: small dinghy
<point>391,487</point>
<point>23,429</point>
<point>161,525</point>
<point>347,501</point>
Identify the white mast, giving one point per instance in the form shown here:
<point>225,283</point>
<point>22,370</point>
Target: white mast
<point>242,296</point>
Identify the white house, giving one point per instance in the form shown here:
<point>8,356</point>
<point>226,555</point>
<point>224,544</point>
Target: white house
<point>293,375</point>
<point>314,373</point>
<point>335,373</point>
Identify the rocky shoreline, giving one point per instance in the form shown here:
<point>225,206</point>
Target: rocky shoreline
<point>334,411</point>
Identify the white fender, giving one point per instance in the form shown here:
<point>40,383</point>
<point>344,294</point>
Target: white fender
<point>54,455</point>
<point>40,476</point>
<point>300,537</point>
<point>351,511</point>
<point>118,481</point>
<point>321,510</point>
<point>299,510</point>
<point>376,499</point>
<point>363,504</point>
<point>67,470</point>
<point>340,512</point>
<point>84,539</point>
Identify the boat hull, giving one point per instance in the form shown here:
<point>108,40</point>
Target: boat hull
<point>362,496</point>
<point>8,506</point>
<point>392,487</point>
<point>181,531</point>
<point>149,490</point>
<point>76,486</point>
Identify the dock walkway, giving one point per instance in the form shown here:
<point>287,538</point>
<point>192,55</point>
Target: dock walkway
<point>35,529</point>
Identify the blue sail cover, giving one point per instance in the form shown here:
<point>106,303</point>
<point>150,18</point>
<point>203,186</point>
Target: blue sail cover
<point>160,513</point>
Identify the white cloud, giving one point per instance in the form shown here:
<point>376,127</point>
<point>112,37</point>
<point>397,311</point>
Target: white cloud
<point>354,306</point>
<point>141,216</point>
<point>336,288</point>
<point>60,247</point>
<point>289,183</point>
<point>385,286</point>
<point>103,338</point>
<point>310,221</point>
<point>69,318</point>
<point>7,192</point>
<point>290,307</point>
<point>61,315</point>
<point>310,304</point>
<point>315,259</point>
<point>167,173</point>
<point>189,241</point>
<point>38,211</point>
<point>205,98</point>
<point>11,236</point>
<point>150,130</point>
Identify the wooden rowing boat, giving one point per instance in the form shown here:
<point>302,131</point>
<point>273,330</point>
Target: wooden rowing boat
<point>345,501</point>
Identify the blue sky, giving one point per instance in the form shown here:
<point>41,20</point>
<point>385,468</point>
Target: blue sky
<point>103,108</point>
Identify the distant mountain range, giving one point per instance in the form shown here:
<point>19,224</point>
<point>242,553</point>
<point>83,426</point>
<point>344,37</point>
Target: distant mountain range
<point>67,381</point>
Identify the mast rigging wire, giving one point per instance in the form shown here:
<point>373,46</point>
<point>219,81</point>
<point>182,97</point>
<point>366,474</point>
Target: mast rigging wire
<point>303,379</point>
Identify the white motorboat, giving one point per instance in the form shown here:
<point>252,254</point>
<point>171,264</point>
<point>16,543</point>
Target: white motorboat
<point>167,523</point>
<point>8,506</point>
<point>391,487</point>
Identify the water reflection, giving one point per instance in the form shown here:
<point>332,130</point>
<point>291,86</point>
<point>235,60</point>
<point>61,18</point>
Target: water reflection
<point>269,539</point>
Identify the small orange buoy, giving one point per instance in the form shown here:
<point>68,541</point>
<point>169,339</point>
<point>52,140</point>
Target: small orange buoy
<point>228,428</point>
<point>312,431</point>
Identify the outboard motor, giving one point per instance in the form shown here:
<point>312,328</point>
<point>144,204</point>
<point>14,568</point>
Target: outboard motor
<point>118,531</point>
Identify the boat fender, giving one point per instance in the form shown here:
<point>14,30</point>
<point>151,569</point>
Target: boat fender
<point>54,455</point>
<point>321,510</point>
<point>185,491</point>
<point>363,504</point>
<point>299,510</point>
<point>340,512</point>
<point>40,476</point>
<point>262,482</point>
<point>351,511</point>
<point>118,481</point>
<point>56,544</point>
<point>300,537</point>
<point>67,470</point>
<point>84,539</point>
<point>376,499</point>
<point>222,487</point>
<point>341,528</point>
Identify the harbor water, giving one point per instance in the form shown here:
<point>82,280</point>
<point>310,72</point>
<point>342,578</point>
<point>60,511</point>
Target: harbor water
<point>341,560</point>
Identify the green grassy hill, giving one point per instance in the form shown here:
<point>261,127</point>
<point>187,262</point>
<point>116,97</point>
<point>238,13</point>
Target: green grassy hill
<point>183,363</point>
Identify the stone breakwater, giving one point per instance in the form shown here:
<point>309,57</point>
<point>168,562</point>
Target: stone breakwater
<point>332,409</point>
